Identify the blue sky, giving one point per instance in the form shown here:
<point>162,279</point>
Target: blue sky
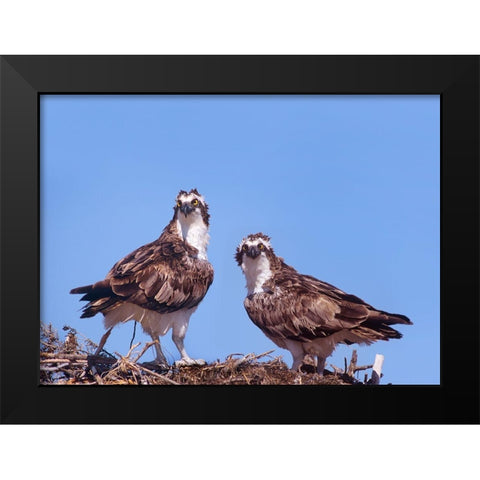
<point>346,186</point>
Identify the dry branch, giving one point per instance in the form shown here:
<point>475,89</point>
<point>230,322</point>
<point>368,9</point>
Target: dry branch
<point>77,365</point>
<point>69,356</point>
<point>353,363</point>
<point>157,375</point>
<point>145,348</point>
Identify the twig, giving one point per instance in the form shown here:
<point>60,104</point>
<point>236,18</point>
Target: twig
<point>54,369</point>
<point>103,340</point>
<point>155,374</point>
<point>246,358</point>
<point>238,362</point>
<point>97,377</point>
<point>132,348</point>
<point>363,367</point>
<point>69,356</point>
<point>263,354</point>
<point>62,360</point>
<point>353,363</point>
<point>145,348</point>
<point>336,369</point>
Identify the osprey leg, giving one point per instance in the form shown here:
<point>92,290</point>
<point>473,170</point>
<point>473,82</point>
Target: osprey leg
<point>296,349</point>
<point>178,335</point>
<point>320,365</point>
<point>160,357</point>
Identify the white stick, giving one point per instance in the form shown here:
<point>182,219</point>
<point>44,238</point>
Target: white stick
<point>377,369</point>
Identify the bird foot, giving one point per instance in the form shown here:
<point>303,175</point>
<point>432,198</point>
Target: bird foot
<point>187,362</point>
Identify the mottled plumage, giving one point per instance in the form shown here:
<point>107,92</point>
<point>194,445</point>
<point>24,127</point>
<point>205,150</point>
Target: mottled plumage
<point>159,284</point>
<point>303,314</point>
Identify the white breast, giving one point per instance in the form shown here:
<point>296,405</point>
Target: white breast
<point>257,272</point>
<point>194,231</point>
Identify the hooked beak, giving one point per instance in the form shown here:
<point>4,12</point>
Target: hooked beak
<point>253,252</point>
<point>186,209</point>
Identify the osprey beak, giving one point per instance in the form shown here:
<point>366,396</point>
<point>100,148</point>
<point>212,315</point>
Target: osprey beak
<point>186,209</point>
<point>253,252</point>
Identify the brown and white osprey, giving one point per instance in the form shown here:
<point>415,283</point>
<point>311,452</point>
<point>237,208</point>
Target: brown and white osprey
<point>302,314</point>
<point>160,284</point>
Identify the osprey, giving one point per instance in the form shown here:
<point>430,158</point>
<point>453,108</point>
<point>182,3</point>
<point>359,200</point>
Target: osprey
<point>302,314</point>
<point>160,284</point>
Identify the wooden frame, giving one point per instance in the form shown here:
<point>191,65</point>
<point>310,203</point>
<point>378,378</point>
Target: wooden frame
<point>24,78</point>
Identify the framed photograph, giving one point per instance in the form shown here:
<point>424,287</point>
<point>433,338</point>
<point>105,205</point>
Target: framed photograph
<point>360,171</point>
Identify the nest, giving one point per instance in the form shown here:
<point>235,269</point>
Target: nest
<point>72,362</point>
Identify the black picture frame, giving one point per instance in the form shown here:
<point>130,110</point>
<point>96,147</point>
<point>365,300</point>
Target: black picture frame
<point>25,78</point>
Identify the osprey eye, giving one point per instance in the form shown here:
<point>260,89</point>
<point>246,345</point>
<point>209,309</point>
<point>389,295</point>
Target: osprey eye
<point>179,203</point>
<point>261,246</point>
<point>194,202</point>
<point>245,248</point>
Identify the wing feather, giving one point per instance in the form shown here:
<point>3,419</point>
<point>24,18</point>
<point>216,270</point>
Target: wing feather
<point>300,307</point>
<point>164,276</point>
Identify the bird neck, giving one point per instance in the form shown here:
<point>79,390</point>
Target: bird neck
<point>257,271</point>
<point>194,232</point>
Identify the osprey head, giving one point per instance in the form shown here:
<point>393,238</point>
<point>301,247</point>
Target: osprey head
<point>189,205</point>
<point>253,246</point>
<point>254,256</point>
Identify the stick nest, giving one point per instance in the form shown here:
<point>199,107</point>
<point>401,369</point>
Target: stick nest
<point>71,362</point>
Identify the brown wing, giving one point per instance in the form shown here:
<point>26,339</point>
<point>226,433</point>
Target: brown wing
<point>300,307</point>
<point>163,276</point>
